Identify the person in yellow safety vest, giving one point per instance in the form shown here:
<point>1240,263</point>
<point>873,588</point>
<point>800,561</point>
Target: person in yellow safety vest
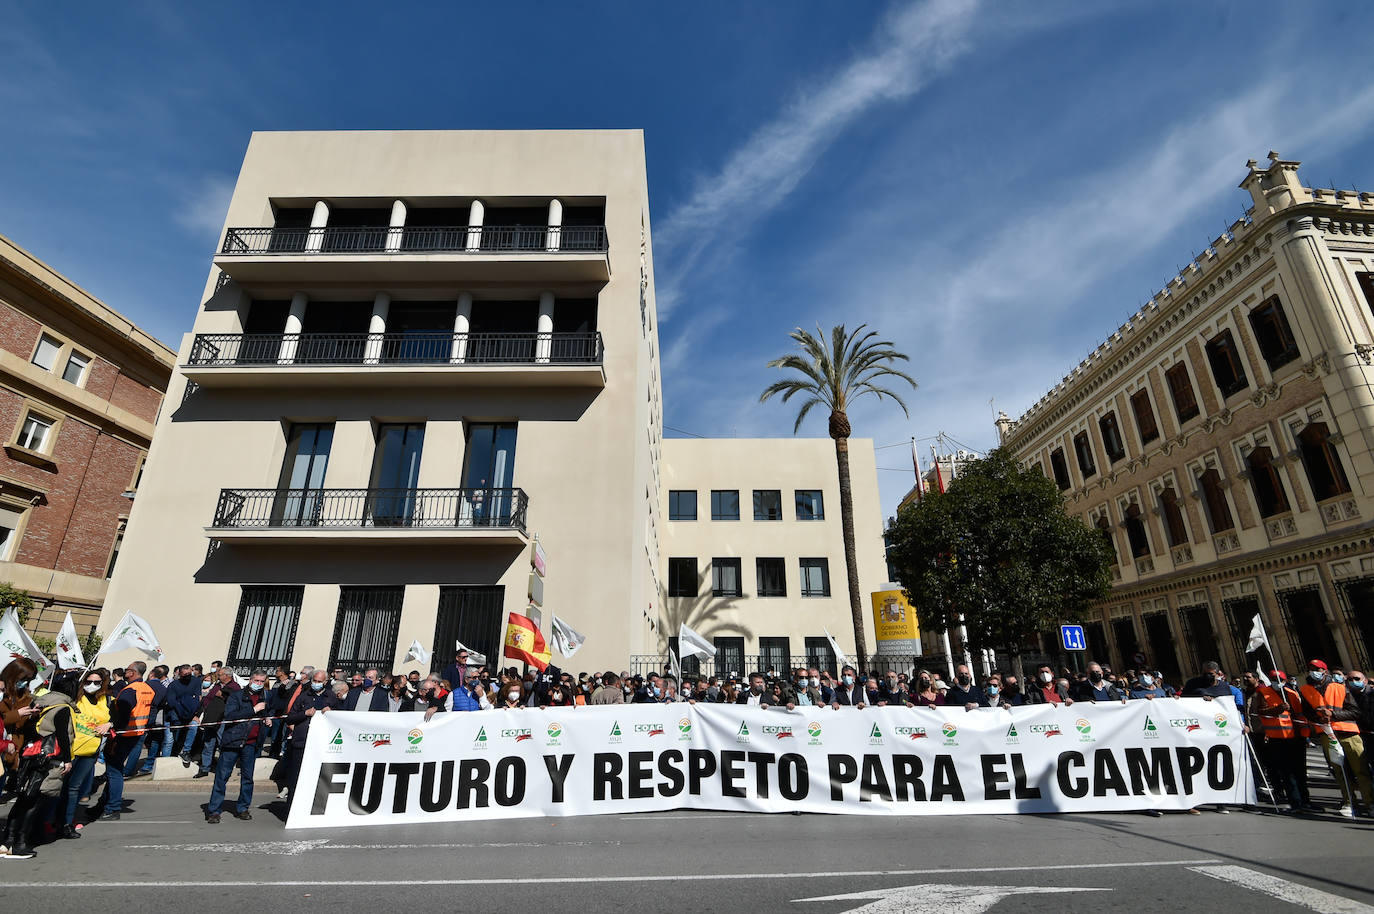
<point>1329,705</point>
<point>91,717</point>
<point>133,707</point>
<point>1270,711</point>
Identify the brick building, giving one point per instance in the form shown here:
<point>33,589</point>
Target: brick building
<point>80,389</point>
<point>1223,442</point>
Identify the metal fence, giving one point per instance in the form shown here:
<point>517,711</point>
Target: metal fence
<point>454,239</point>
<point>306,509</point>
<point>428,348</point>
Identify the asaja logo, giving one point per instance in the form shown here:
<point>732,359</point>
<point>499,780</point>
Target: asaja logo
<point>519,735</point>
<point>1221,720</point>
<point>911,732</point>
<point>615,735</point>
<point>1011,732</point>
<point>1186,724</point>
<point>414,738</point>
<point>814,730</point>
<point>1151,731</point>
<point>481,741</point>
<point>742,734</point>
<point>378,740</point>
<point>335,742</point>
<point>778,732</point>
<point>875,736</point>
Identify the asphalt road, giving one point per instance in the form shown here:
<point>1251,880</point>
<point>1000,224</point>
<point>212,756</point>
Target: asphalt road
<point>163,853</point>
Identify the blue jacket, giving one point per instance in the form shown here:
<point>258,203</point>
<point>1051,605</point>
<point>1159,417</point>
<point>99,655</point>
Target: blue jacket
<point>1142,692</point>
<point>463,701</point>
<point>239,727</point>
<point>973,695</point>
<point>183,699</point>
<point>358,700</point>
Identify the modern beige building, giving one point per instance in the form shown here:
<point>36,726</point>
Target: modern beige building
<point>80,389</point>
<point>1223,441</point>
<point>753,552</point>
<point>425,363</point>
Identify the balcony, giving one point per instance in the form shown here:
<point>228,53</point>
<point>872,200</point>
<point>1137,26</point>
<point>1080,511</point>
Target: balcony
<point>396,360</point>
<point>371,516</point>
<point>484,253</point>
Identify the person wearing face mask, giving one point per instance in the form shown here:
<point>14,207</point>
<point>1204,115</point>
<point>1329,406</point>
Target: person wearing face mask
<point>850,692</point>
<point>757,695</point>
<point>1046,689</point>
<point>1364,697</point>
<point>964,692</point>
<point>183,703</point>
<point>1276,712</point>
<point>1147,687</point>
<point>803,694</point>
<point>1331,709</point>
<point>91,723</point>
<point>368,697</point>
<point>39,776</point>
<point>924,694</point>
<point>240,732</point>
<point>651,692</point>
<point>1011,692</point>
<point>315,700</point>
<point>1211,684</point>
<point>512,696</point>
<point>892,691</point>
<point>608,693</point>
<point>16,705</point>
<point>1096,687</point>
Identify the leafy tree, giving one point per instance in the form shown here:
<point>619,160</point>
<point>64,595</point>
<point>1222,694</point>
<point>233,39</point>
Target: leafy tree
<point>998,547</point>
<point>11,596</point>
<point>834,376</point>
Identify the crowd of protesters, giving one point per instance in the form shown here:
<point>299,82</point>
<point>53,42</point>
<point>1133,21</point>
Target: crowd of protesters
<point>54,737</point>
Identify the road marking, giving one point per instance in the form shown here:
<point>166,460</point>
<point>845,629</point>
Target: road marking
<point>1282,889</point>
<point>296,848</point>
<point>917,899</point>
<point>593,880</point>
<point>160,822</point>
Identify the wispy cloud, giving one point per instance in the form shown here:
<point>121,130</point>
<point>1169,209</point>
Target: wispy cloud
<point>202,205</point>
<point>911,46</point>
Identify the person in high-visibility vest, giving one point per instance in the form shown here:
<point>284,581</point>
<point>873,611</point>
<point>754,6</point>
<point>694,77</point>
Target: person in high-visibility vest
<point>133,708</point>
<point>1270,713</point>
<point>1331,710</point>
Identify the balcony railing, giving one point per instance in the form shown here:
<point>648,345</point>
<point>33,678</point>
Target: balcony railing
<point>458,239</point>
<point>355,509</point>
<point>250,349</point>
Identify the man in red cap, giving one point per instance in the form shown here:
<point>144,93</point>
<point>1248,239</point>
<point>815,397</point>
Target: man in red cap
<point>1332,711</point>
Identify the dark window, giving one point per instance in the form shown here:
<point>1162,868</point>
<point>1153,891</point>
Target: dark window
<point>1265,483</point>
<point>1214,497</point>
<point>682,504</point>
<point>1111,437</point>
<point>1272,333</point>
<point>489,467</point>
<point>1135,533</point>
<point>810,504</point>
<point>725,578</point>
<point>1173,517</point>
<point>767,504</point>
<point>1227,368</point>
<point>265,630</point>
<point>682,577</point>
<point>114,553</point>
<point>775,654</point>
<point>1104,527</point>
<point>300,486</point>
<point>772,577</point>
<point>730,657</point>
<point>1181,388</point>
<point>365,633</point>
<point>396,474</point>
<point>472,615</point>
<point>1323,465</point>
<point>1144,416</point>
<point>691,666</point>
<point>1366,283</point>
<point>820,655</point>
<point>1061,468</point>
<point>1083,449</point>
<point>815,577</point>
<point>724,504</point>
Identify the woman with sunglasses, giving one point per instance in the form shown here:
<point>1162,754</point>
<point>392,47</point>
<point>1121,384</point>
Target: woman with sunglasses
<point>91,719</point>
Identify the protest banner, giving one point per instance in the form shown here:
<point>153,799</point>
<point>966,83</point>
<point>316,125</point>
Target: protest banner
<point>380,769</point>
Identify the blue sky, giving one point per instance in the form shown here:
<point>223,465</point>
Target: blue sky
<point>995,186</point>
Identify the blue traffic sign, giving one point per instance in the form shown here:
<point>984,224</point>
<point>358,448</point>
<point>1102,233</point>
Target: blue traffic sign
<point>1073,638</point>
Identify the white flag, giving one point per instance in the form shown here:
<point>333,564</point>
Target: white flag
<point>133,632</point>
<point>69,655</point>
<point>840,658</point>
<point>417,652</point>
<point>1257,639</point>
<point>475,658</point>
<point>566,638</point>
<point>675,669</point>
<point>690,644</point>
<point>15,643</point>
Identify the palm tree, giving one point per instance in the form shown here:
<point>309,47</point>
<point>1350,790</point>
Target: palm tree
<point>851,367</point>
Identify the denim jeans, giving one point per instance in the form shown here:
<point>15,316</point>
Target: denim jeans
<point>135,755</point>
<point>207,755</point>
<point>83,768</point>
<point>229,759</point>
<point>118,753</point>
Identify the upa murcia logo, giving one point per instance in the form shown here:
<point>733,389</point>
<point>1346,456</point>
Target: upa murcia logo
<point>1013,738</point>
<point>481,741</point>
<point>335,743</point>
<point>413,740</point>
<point>813,730</point>
<point>684,730</point>
<point>650,729</point>
<point>950,731</point>
<point>742,735</point>
<point>517,734</point>
<point>777,732</point>
<point>1085,730</point>
<point>911,732</point>
<point>875,736</point>
<point>1150,730</point>
<point>615,735</point>
<point>378,740</point>
<point>1046,730</point>
<point>1221,720</point>
<point>554,731</point>
<point>1186,724</point>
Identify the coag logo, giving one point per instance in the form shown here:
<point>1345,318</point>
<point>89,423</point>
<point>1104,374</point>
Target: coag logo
<point>377,740</point>
<point>778,732</point>
<point>518,735</point>
<point>651,729</point>
<point>1047,729</point>
<point>1187,724</point>
<point>911,732</point>
<point>1221,720</point>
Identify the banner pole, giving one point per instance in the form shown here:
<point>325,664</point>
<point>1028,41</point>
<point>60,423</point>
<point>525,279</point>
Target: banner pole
<point>1264,775</point>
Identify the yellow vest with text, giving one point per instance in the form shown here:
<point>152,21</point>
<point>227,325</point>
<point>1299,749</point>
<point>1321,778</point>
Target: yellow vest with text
<point>86,716</point>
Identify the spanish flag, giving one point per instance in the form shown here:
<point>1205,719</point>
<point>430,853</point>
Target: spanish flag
<point>525,642</point>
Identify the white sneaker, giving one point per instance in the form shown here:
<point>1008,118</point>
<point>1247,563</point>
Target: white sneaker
<point>1346,812</point>
<point>283,794</point>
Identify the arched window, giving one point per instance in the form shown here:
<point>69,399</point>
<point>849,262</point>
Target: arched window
<point>1214,497</point>
<point>1135,533</point>
<point>1322,463</point>
<point>1173,517</point>
<point>1104,527</point>
<point>1265,483</point>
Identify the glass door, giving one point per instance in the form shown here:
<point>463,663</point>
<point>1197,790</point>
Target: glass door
<point>300,489</point>
<point>488,474</point>
<point>396,474</point>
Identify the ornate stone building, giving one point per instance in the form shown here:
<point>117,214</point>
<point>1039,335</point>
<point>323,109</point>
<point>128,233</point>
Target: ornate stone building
<point>1223,441</point>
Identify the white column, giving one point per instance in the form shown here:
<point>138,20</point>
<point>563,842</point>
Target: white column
<point>475,213</point>
<point>555,224</point>
<point>295,320</point>
<point>376,328</point>
<point>318,220</point>
<point>398,225</point>
<point>544,342</point>
<point>461,321</point>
